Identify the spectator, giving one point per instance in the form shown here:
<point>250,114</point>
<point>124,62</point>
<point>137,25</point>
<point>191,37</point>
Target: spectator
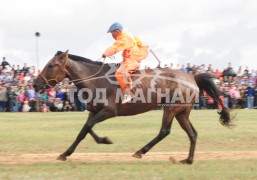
<point>5,70</point>
<point>18,70</point>
<point>15,82</point>
<point>218,73</point>
<point>58,104</point>
<point>45,108</point>
<point>231,75</point>
<point>225,74</point>
<point>4,63</point>
<point>250,96</point>
<point>244,80</point>
<point>239,72</point>
<point>242,101</point>
<point>202,100</point>
<point>232,95</point>
<point>27,77</point>
<point>51,105</point>
<point>26,107</point>
<point>255,96</point>
<point>14,95</point>
<point>255,80</point>
<point>3,97</point>
<point>38,102</point>
<point>9,75</point>
<point>246,73</point>
<point>210,68</point>
<point>51,93</point>
<point>189,69</point>
<point>21,76</point>
<point>31,94</point>
<point>44,98</point>
<point>25,68</point>
<point>184,69</point>
<point>73,108</point>
<point>229,65</point>
<point>202,68</point>
<point>14,68</point>
<point>251,80</point>
<point>60,94</point>
<point>21,98</point>
<point>226,95</point>
<point>2,76</point>
<point>252,74</point>
<point>194,69</point>
<point>67,106</point>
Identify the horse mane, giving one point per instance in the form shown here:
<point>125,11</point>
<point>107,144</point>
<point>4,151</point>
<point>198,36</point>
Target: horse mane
<point>79,58</point>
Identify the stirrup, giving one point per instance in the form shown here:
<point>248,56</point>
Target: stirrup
<point>127,98</point>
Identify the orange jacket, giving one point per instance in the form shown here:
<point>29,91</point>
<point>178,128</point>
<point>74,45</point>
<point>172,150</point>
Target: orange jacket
<point>131,46</point>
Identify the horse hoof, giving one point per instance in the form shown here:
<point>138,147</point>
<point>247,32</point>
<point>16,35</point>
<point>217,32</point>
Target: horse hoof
<point>106,140</point>
<point>62,158</point>
<point>137,155</point>
<point>186,161</point>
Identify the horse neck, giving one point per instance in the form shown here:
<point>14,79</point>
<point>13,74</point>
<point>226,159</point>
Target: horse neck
<point>81,70</point>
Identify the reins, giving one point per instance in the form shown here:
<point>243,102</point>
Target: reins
<point>83,79</point>
<point>74,80</point>
<point>79,80</point>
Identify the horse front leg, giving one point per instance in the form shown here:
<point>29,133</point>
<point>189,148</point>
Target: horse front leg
<point>98,117</point>
<point>99,140</point>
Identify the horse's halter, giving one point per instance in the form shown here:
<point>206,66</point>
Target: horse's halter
<point>56,78</point>
<point>75,81</point>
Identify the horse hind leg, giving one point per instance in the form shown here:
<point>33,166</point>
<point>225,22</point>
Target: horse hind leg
<point>191,132</point>
<point>164,131</point>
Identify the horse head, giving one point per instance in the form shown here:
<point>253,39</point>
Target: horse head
<point>53,73</point>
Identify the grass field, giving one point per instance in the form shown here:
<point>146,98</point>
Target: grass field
<point>38,133</point>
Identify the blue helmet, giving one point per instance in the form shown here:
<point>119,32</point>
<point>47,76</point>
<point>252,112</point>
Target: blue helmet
<point>115,26</point>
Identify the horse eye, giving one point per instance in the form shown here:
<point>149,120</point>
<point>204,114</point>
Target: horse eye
<point>50,66</point>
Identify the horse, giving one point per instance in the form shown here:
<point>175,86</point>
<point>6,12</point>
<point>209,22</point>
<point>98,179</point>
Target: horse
<point>169,87</point>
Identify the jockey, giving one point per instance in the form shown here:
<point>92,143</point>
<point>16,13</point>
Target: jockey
<point>133,53</point>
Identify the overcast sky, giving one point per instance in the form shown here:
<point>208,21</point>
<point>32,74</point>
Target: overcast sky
<point>186,31</point>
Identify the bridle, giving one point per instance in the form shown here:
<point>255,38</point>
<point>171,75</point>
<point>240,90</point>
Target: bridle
<point>47,81</point>
<point>75,81</point>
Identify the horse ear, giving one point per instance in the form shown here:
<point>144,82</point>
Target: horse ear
<point>65,55</point>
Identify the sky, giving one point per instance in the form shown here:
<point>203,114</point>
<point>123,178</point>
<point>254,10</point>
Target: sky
<point>197,31</point>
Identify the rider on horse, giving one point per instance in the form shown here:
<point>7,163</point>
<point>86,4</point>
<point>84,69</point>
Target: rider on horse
<point>133,53</point>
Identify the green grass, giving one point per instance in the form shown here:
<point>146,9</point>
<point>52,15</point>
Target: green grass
<point>25,133</point>
<point>221,170</point>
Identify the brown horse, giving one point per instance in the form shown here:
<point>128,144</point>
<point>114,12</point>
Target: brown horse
<point>172,89</point>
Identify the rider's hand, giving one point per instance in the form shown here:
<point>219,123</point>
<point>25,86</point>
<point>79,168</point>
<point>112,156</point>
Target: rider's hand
<point>103,56</point>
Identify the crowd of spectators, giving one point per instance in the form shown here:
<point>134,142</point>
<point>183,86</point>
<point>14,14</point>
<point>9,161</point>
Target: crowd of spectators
<point>238,89</point>
<point>18,95</point>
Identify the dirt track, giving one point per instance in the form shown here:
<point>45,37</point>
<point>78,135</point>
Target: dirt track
<point>121,157</point>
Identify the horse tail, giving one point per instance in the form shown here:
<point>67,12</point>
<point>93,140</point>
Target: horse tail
<point>205,82</point>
